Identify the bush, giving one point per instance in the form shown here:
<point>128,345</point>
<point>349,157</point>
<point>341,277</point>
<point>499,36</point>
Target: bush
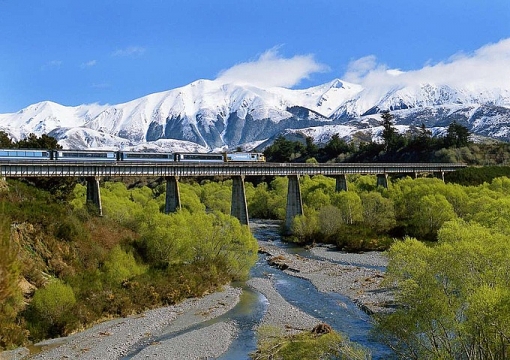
<point>274,344</point>
<point>121,266</point>
<point>50,312</point>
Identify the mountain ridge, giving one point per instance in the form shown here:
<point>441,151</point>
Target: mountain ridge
<point>208,114</point>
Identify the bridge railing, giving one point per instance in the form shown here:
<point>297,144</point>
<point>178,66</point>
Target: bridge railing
<point>85,169</point>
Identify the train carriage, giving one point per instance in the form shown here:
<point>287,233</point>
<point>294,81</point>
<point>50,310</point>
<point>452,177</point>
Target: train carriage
<point>145,157</point>
<point>25,154</point>
<point>199,157</point>
<point>85,155</point>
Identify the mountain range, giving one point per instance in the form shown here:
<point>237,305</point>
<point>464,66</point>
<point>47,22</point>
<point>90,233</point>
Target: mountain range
<point>210,115</point>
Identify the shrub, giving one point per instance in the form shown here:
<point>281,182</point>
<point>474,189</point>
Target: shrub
<point>50,312</point>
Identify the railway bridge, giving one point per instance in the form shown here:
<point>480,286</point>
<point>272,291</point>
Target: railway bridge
<point>93,171</point>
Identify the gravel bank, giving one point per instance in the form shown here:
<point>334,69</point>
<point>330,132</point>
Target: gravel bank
<point>205,343</point>
<point>279,312</point>
<point>117,338</point>
<point>361,282</point>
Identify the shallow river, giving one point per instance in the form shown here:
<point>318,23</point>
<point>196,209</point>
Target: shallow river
<point>331,308</point>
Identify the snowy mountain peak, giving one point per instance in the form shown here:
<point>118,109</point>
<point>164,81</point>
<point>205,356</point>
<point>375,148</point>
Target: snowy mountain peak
<point>213,114</point>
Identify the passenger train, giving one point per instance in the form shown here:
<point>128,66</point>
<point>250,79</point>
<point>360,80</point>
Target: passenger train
<point>124,156</point>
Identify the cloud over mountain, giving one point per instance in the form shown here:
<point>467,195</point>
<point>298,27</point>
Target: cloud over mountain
<point>272,70</point>
<point>487,67</point>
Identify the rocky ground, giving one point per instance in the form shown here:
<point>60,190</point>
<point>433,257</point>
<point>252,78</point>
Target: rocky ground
<point>357,276</point>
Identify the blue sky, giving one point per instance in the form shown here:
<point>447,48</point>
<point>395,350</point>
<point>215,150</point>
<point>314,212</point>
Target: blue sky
<point>113,51</point>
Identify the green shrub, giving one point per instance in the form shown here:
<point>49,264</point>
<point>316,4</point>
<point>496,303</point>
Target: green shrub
<point>274,344</point>
<point>121,266</point>
<point>51,311</point>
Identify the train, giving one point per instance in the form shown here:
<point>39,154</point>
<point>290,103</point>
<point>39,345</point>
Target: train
<point>125,156</point>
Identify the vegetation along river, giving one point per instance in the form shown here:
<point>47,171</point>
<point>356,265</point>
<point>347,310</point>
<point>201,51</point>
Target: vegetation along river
<point>312,287</point>
<point>337,310</point>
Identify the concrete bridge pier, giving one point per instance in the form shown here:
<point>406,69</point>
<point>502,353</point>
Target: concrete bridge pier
<point>294,202</point>
<point>440,175</point>
<point>93,194</point>
<point>239,208</point>
<point>341,183</point>
<point>382,180</point>
<point>173,197</point>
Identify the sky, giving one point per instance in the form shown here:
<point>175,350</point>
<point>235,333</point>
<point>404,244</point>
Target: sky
<point>113,51</point>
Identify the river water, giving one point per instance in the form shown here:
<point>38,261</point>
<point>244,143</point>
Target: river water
<point>331,308</point>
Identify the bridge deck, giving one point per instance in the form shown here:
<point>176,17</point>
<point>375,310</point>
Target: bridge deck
<point>86,169</point>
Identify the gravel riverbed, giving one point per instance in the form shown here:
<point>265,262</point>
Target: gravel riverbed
<point>357,276</point>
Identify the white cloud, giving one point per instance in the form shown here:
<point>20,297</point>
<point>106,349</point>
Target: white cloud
<point>88,64</point>
<point>271,70</point>
<point>487,67</point>
<point>129,51</point>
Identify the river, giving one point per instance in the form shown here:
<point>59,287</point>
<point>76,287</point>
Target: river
<point>331,308</point>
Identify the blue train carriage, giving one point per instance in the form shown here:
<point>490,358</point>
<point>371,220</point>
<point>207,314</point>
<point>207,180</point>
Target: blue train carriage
<point>199,157</point>
<point>85,155</point>
<point>256,157</point>
<point>25,154</point>
<point>145,156</point>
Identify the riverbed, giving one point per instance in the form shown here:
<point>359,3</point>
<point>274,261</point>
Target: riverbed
<point>300,290</point>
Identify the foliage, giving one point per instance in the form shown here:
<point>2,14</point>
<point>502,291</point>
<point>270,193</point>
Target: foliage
<point>11,300</point>
<point>274,344</point>
<point>121,266</point>
<point>454,297</point>
<point>456,135</point>
<point>477,175</point>
<point>5,141</point>
<point>378,212</point>
<point>304,228</point>
<point>112,265</point>
<point>214,238</point>
<point>51,310</point>
<point>416,145</point>
<point>389,134</point>
<point>283,150</point>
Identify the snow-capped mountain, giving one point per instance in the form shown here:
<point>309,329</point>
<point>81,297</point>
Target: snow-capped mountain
<point>206,115</point>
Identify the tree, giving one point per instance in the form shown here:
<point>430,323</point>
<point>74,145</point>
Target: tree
<point>454,300</point>
<point>305,227</point>
<point>329,220</point>
<point>349,204</point>
<point>311,148</point>
<point>283,150</point>
<point>378,212</point>
<point>52,310</point>
<point>432,212</point>
<point>335,147</point>
<point>456,135</point>
<point>34,142</point>
<point>5,141</point>
<point>389,134</point>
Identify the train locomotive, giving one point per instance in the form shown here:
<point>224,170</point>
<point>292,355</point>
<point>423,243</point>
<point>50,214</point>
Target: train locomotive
<point>125,156</point>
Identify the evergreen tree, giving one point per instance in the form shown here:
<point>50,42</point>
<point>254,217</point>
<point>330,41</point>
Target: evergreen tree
<point>456,135</point>
<point>389,134</point>
<point>5,141</point>
<point>335,147</point>
<point>34,142</point>
<point>311,148</point>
